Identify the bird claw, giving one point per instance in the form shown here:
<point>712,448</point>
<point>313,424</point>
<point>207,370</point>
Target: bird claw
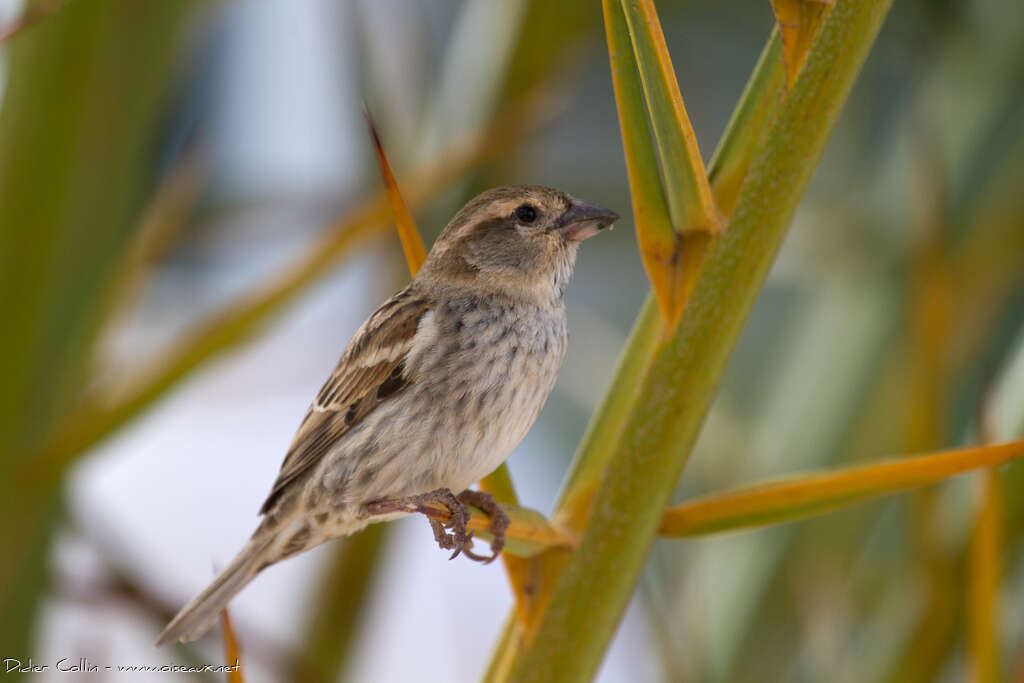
<point>498,526</point>
<point>450,541</point>
<point>459,539</point>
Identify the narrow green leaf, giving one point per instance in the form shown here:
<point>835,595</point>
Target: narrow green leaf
<point>984,563</point>
<point>690,201</point>
<point>657,240</point>
<point>761,100</point>
<point>602,433</point>
<point>408,234</point>
<point>798,21</point>
<point>815,494</point>
<point>232,657</point>
<point>75,169</point>
<point>595,587</point>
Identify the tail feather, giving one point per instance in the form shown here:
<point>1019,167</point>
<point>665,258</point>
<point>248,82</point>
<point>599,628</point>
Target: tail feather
<point>196,618</point>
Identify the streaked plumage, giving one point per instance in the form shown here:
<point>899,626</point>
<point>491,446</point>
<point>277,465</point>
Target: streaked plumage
<point>435,389</point>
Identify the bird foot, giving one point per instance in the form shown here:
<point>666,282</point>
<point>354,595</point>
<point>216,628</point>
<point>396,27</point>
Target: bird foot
<point>499,522</point>
<point>458,539</point>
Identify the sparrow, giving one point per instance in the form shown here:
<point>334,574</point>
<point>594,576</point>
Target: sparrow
<point>433,392</point>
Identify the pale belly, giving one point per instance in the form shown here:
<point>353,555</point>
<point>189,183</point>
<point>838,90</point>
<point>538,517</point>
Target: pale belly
<point>482,378</point>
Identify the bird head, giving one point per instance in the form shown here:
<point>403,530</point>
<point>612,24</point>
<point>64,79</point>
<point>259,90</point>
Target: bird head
<point>518,240</point>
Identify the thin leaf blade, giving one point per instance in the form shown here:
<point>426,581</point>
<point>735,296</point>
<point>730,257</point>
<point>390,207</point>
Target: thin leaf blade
<point>408,234</point>
<point>810,495</point>
<point>499,484</point>
<point>757,107</point>
<point>984,569</point>
<point>733,157</point>
<point>594,589</point>
<point>657,239</point>
<point>232,658</point>
<point>798,21</point>
<point>691,203</point>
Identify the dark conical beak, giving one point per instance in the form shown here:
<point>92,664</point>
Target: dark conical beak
<point>582,220</point>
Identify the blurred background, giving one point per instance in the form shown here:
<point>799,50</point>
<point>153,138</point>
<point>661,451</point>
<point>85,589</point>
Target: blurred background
<point>191,229</point>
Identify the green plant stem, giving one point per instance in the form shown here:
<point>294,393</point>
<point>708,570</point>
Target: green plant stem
<point>599,440</point>
<point>761,99</point>
<point>985,561</point>
<point>84,93</point>
<point>816,494</point>
<point>655,236</point>
<point>685,180</point>
<point>595,587</point>
<point>728,169</point>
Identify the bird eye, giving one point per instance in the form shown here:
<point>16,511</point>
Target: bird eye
<point>526,213</point>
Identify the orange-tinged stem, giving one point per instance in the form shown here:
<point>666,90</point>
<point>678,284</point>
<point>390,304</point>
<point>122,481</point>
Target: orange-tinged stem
<point>232,657</point>
<point>798,21</point>
<point>412,243</point>
<point>528,532</point>
<point>691,203</point>
<point>984,570</point>
<point>813,494</point>
<point>984,564</point>
<point>658,242</point>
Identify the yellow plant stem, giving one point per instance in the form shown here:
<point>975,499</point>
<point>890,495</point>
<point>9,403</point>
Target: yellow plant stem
<point>815,494</point>
<point>930,330</point>
<point>798,21</point>
<point>984,570</point>
<point>758,105</point>
<point>408,234</point>
<point>499,484</point>
<point>695,218</point>
<point>690,201</point>
<point>658,241</point>
<point>735,153</point>
<point>676,217</point>
<point>232,657</point>
<point>594,588</point>
<point>528,532</point>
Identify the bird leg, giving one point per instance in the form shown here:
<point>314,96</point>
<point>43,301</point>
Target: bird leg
<point>499,522</point>
<point>458,540</point>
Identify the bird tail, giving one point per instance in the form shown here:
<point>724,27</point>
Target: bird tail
<point>198,616</point>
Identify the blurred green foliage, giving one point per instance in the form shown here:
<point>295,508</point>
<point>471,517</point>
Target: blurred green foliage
<point>899,293</point>
<point>85,91</point>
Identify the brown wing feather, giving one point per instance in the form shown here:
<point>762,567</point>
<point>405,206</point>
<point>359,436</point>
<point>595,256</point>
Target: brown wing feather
<point>371,371</point>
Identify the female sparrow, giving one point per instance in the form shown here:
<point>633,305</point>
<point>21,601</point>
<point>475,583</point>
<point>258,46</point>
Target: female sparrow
<point>434,392</point>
